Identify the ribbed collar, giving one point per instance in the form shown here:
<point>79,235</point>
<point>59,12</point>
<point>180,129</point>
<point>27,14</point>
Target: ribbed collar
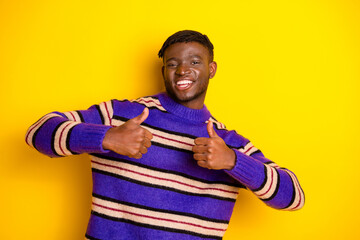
<point>197,115</point>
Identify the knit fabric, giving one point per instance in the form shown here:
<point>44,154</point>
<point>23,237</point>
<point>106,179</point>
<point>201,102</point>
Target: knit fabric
<point>165,194</point>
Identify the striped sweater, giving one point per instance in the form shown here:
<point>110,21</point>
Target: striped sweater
<point>165,194</point>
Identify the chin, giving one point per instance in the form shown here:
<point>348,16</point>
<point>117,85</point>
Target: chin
<point>187,98</point>
<point>184,97</point>
<point>180,97</point>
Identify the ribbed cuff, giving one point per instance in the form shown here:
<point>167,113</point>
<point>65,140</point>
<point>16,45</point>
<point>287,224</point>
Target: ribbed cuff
<point>247,170</point>
<point>88,138</point>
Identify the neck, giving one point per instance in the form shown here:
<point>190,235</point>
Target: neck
<point>193,112</point>
<point>197,102</point>
<point>193,105</point>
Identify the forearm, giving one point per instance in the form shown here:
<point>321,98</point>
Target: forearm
<point>60,134</point>
<point>275,186</point>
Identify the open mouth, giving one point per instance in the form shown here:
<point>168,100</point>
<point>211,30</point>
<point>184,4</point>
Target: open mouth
<point>184,84</point>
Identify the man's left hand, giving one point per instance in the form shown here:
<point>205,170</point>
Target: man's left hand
<point>212,152</point>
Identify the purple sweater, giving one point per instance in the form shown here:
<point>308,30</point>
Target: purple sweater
<point>165,194</point>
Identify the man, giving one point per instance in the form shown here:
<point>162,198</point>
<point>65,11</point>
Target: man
<point>163,167</point>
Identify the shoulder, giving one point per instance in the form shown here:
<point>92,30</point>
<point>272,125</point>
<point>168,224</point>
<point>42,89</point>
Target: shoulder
<point>231,137</point>
<point>130,108</point>
<point>235,140</point>
<point>151,102</point>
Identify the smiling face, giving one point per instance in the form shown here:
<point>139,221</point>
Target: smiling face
<point>186,71</point>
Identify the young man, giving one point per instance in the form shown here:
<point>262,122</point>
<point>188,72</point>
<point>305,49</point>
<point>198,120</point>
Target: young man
<point>163,167</point>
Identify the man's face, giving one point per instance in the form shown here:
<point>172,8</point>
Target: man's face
<point>186,71</point>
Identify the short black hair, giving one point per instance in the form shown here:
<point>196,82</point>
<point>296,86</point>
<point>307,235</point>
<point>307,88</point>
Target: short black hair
<point>188,36</point>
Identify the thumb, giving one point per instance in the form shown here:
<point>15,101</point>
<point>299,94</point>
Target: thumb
<point>210,129</point>
<point>142,117</point>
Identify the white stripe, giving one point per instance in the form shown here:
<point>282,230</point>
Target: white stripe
<point>61,136</point>
<point>251,151</point>
<point>165,138</point>
<point>171,139</point>
<point>268,181</point>
<point>272,164</point>
<point>247,146</point>
<point>107,112</point>
<point>110,109</point>
<point>248,149</point>
<point>69,116</point>
<point>150,102</point>
<point>219,125</point>
<point>271,187</point>
<point>164,179</point>
<point>65,137</point>
<point>73,116</point>
<point>299,195</point>
<point>37,125</point>
<point>156,218</point>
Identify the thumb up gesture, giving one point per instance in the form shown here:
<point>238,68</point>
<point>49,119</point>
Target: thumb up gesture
<point>212,152</point>
<point>129,139</point>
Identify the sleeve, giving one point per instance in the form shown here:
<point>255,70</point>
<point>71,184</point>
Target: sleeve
<point>61,134</point>
<point>276,186</point>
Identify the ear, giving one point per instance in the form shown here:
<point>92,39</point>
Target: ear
<point>213,68</point>
<point>162,70</point>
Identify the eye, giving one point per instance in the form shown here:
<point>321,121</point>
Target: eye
<point>170,65</point>
<point>195,62</point>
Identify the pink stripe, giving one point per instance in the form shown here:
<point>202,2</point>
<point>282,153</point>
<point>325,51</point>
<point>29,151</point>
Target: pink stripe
<point>142,100</point>
<point>299,192</point>
<point>173,140</point>
<point>248,149</point>
<point>73,116</point>
<point>156,218</point>
<point>298,203</point>
<point>163,179</point>
<point>107,112</point>
<point>272,179</point>
<point>61,137</point>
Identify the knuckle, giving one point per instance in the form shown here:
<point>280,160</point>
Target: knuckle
<point>134,152</point>
<point>147,144</point>
<point>139,139</point>
<point>201,163</point>
<point>139,130</point>
<point>143,150</point>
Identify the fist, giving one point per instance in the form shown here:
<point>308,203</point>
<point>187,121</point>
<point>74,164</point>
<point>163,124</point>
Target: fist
<point>212,152</point>
<point>129,139</point>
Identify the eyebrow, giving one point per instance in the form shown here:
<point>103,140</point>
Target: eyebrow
<point>192,56</point>
<point>195,56</point>
<point>170,59</point>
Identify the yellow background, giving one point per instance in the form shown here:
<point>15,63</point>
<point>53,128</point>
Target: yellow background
<point>288,79</point>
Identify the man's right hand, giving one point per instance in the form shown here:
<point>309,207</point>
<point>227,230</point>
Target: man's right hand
<point>129,139</point>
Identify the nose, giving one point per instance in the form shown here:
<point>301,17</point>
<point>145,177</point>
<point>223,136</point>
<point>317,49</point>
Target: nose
<point>182,69</point>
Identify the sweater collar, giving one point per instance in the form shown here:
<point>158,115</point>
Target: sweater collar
<point>197,115</point>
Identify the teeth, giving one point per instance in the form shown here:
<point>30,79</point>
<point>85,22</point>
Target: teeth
<point>184,82</point>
